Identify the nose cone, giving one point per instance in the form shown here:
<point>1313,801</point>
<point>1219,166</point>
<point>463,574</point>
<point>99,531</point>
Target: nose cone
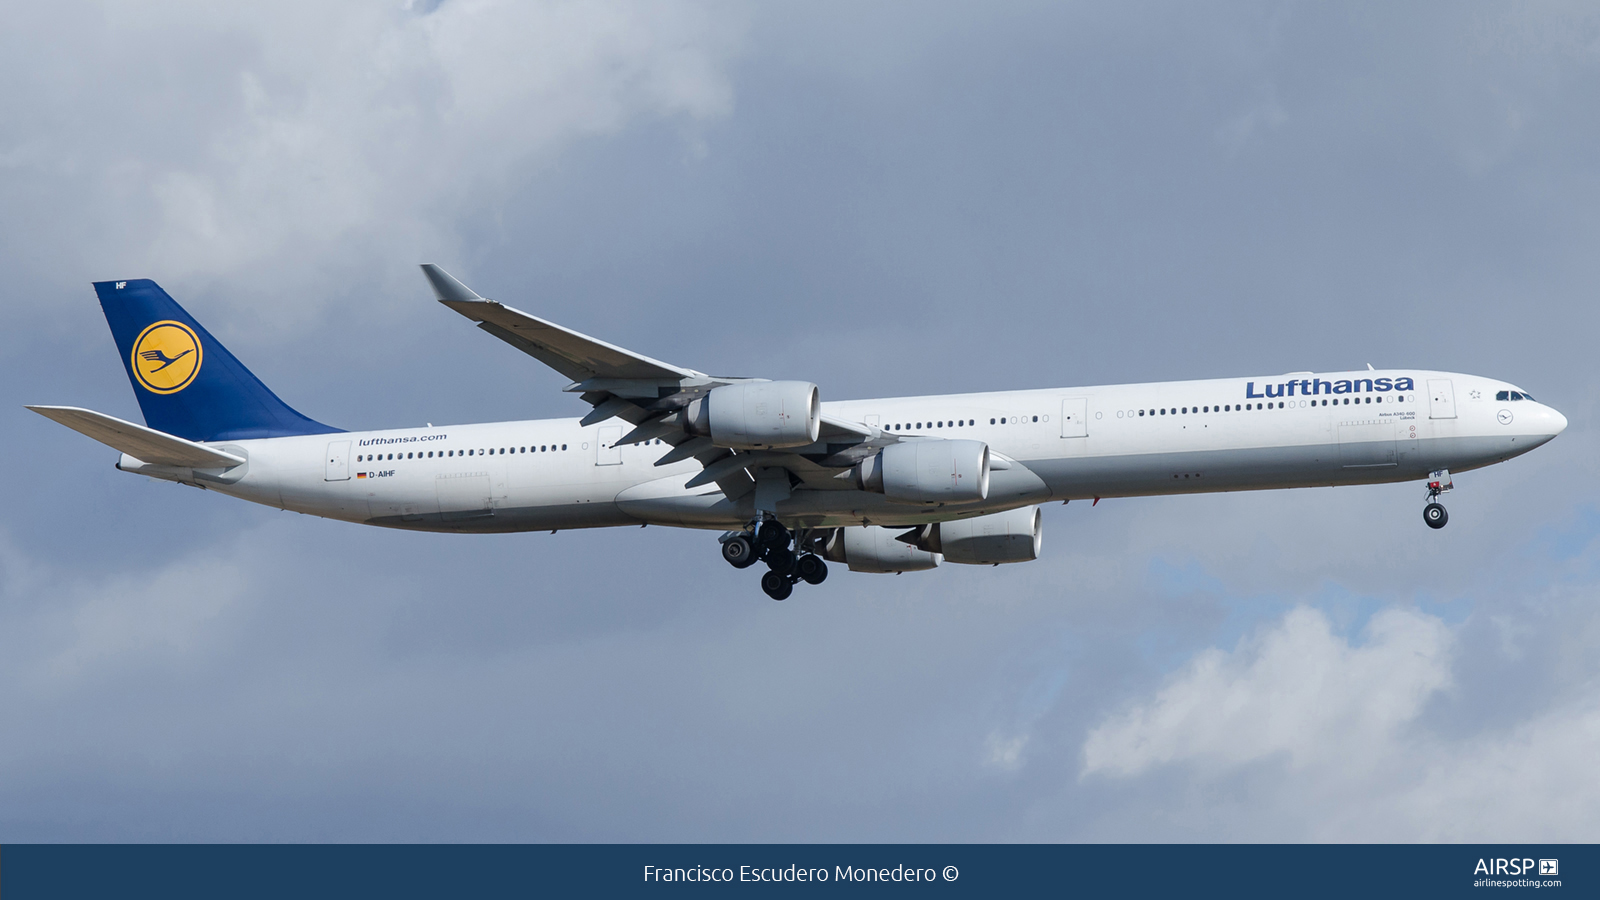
<point>1558,422</point>
<point>1545,426</point>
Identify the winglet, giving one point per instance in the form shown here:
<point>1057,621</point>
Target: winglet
<point>575,355</point>
<point>445,287</point>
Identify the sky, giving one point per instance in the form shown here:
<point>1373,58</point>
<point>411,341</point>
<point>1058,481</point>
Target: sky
<point>881,198</point>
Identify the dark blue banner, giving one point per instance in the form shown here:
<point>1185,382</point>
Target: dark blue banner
<point>276,871</point>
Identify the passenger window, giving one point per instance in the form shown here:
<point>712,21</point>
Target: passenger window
<point>563,446</point>
<point>991,421</point>
<point>1141,412</point>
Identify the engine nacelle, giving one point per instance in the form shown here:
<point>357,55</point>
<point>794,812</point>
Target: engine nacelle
<point>928,472</point>
<point>758,415</point>
<point>1004,537</point>
<point>869,548</point>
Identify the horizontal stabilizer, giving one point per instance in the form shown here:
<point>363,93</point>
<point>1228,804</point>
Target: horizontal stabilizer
<point>146,444</point>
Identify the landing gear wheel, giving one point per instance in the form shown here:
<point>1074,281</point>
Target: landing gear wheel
<point>781,560</point>
<point>777,586</point>
<point>738,552</point>
<point>811,569</point>
<point>1435,515</point>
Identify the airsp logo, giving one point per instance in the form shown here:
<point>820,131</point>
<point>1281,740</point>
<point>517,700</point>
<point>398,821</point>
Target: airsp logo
<point>166,357</point>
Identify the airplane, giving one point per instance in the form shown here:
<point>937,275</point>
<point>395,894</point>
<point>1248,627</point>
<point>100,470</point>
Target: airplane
<point>889,485</point>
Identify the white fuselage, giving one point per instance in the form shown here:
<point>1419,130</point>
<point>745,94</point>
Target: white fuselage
<point>1106,441</point>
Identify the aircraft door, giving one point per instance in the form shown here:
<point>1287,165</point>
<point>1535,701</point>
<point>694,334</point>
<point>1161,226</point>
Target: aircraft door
<point>606,451</point>
<point>338,459</point>
<point>1441,399</point>
<point>1075,417</point>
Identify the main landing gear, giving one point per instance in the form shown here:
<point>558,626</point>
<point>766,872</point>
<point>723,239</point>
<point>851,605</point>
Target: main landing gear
<point>1434,513</point>
<point>787,554</point>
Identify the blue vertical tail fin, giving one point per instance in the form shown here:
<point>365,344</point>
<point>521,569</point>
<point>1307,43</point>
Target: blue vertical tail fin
<point>187,383</point>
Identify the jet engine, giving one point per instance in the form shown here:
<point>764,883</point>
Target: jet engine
<point>930,471</point>
<point>758,415</point>
<point>1003,537</point>
<point>869,548</point>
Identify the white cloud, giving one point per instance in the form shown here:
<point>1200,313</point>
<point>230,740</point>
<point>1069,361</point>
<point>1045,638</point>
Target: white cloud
<point>1335,727</point>
<point>190,141</point>
<point>1297,690</point>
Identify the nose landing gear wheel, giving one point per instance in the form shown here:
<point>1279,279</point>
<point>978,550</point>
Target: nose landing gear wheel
<point>1434,514</point>
<point>777,586</point>
<point>738,552</point>
<point>811,569</point>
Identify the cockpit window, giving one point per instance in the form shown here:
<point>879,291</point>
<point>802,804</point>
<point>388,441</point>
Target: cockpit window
<point>1516,395</point>
<point>1503,395</point>
<point>1526,396</point>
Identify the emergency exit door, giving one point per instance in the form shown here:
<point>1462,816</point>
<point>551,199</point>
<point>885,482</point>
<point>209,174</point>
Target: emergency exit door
<point>338,462</point>
<point>606,451</point>
<point>1441,399</point>
<point>1075,417</point>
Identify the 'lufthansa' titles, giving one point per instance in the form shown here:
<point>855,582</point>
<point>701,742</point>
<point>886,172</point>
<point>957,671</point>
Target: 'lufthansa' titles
<point>1311,386</point>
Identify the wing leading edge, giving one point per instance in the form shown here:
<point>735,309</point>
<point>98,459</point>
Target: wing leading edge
<point>651,394</point>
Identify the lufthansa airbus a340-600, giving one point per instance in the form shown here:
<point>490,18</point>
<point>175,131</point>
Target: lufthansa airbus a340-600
<point>891,485</point>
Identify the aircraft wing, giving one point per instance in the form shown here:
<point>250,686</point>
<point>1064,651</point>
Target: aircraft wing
<point>142,443</point>
<point>649,394</point>
<point>577,356</point>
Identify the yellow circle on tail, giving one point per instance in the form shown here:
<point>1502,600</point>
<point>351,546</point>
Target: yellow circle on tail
<point>166,357</point>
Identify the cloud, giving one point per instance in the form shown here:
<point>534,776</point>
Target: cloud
<point>1337,729</point>
<point>1296,690</point>
<point>196,143</point>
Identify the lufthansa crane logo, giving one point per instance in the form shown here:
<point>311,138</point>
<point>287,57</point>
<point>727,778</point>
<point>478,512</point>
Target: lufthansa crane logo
<point>166,357</point>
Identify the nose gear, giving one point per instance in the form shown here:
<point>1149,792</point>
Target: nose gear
<point>1434,513</point>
